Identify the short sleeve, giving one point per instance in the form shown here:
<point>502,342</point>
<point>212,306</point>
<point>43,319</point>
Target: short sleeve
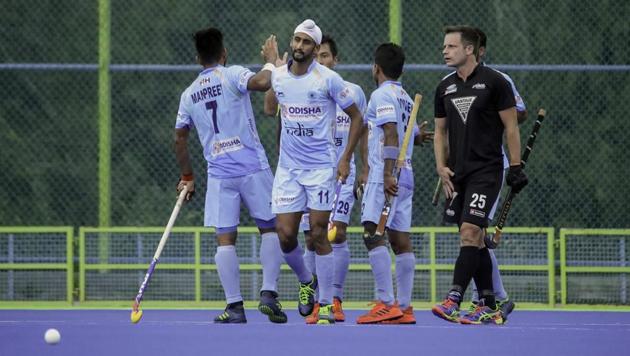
<point>520,104</point>
<point>238,77</point>
<point>385,110</point>
<point>360,99</point>
<point>503,94</point>
<point>439,110</point>
<point>339,91</point>
<point>184,119</point>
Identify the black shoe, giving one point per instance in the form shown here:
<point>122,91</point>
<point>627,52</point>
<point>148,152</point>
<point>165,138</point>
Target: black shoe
<point>506,307</point>
<point>270,306</point>
<point>306,297</point>
<point>234,314</point>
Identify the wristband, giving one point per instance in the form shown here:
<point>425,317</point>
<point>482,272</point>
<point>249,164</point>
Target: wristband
<point>390,152</point>
<point>268,66</point>
<point>187,177</point>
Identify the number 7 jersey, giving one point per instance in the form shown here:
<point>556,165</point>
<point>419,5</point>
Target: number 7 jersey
<point>218,105</point>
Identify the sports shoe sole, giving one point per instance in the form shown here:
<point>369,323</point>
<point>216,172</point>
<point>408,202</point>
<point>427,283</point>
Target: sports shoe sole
<point>440,314</point>
<point>273,317</point>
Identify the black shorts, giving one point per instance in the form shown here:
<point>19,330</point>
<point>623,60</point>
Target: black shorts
<point>474,198</point>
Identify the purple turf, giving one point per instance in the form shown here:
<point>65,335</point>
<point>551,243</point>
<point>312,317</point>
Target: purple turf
<point>191,332</point>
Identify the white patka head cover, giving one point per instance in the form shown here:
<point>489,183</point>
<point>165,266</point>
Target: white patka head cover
<point>310,28</point>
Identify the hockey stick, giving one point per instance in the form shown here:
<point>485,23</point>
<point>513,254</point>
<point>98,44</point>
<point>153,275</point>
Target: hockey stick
<point>332,229</point>
<point>493,242</point>
<point>436,192</point>
<point>136,312</point>
<point>400,163</point>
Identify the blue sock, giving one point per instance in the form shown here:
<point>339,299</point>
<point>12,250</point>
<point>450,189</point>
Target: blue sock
<point>271,259</point>
<point>341,263</point>
<point>381,263</point>
<point>295,260</point>
<point>405,271</point>
<point>309,261</point>
<point>227,266</point>
<point>324,266</point>
<point>497,283</point>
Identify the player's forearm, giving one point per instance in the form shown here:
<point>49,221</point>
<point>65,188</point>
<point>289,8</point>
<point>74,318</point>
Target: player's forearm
<point>363,147</point>
<point>513,139</point>
<point>181,153</point>
<point>270,104</point>
<point>261,81</point>
<point>356,121</point>
<point>391,149</point>
<point>512,134</point>
<point>440,148</point>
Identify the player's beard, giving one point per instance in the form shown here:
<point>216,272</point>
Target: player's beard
<point>299,57</point>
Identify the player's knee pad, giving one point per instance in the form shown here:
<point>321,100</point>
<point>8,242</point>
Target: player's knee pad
<point>372,241</point>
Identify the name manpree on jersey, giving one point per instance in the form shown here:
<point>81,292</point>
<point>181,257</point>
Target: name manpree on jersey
<point>218,105</point>
<point>308,106</point>
<point>389,103</point>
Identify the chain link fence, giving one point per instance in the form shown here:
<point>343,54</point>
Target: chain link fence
<point>49,128</point>
<point>49,116</point>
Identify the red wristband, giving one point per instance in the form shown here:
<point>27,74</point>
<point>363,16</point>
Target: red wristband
<point>187,177</point>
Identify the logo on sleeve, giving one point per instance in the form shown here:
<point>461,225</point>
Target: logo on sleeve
<point>344,93</point>
<point>450,89</point>
<point>386,110</point>
<point>463,106</point>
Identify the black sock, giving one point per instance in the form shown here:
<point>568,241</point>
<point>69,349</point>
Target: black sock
<point>235,304</point>
<point>483,279</point>
<point>465,267</point>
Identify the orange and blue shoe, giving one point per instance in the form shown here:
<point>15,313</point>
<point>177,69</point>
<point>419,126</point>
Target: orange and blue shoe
<point>483,315</point>
<point>325,315</point>
<point>447,310</point>
<point>408,317</point>
<point>380,312</point>
<point>337,310</point>
<point>314,316</point>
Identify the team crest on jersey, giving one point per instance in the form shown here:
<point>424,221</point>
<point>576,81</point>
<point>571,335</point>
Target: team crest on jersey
<point>231,144</point>
<point>463,106</point>
<point>298,112</point>
<point>450,89</point>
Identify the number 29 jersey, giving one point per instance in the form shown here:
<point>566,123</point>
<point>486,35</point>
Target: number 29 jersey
<point>218,105</point>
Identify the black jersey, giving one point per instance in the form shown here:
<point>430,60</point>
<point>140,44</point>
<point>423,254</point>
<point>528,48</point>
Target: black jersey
<point>471,108</point>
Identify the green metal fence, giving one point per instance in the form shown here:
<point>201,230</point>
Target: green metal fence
<point>595,265</point>
<point>528,254</point>
<point>36,263</point>
<point>42,264</point>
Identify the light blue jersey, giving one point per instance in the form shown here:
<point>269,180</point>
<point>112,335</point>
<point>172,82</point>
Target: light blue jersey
<point>308,105</point>
<point>342,130</point>
<point>217,104</point>
<point>520,106</point>
<point>389,103</point>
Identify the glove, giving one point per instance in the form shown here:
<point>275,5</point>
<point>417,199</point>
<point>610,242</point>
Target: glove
<point>186,181</point>
<point>516,178</point>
